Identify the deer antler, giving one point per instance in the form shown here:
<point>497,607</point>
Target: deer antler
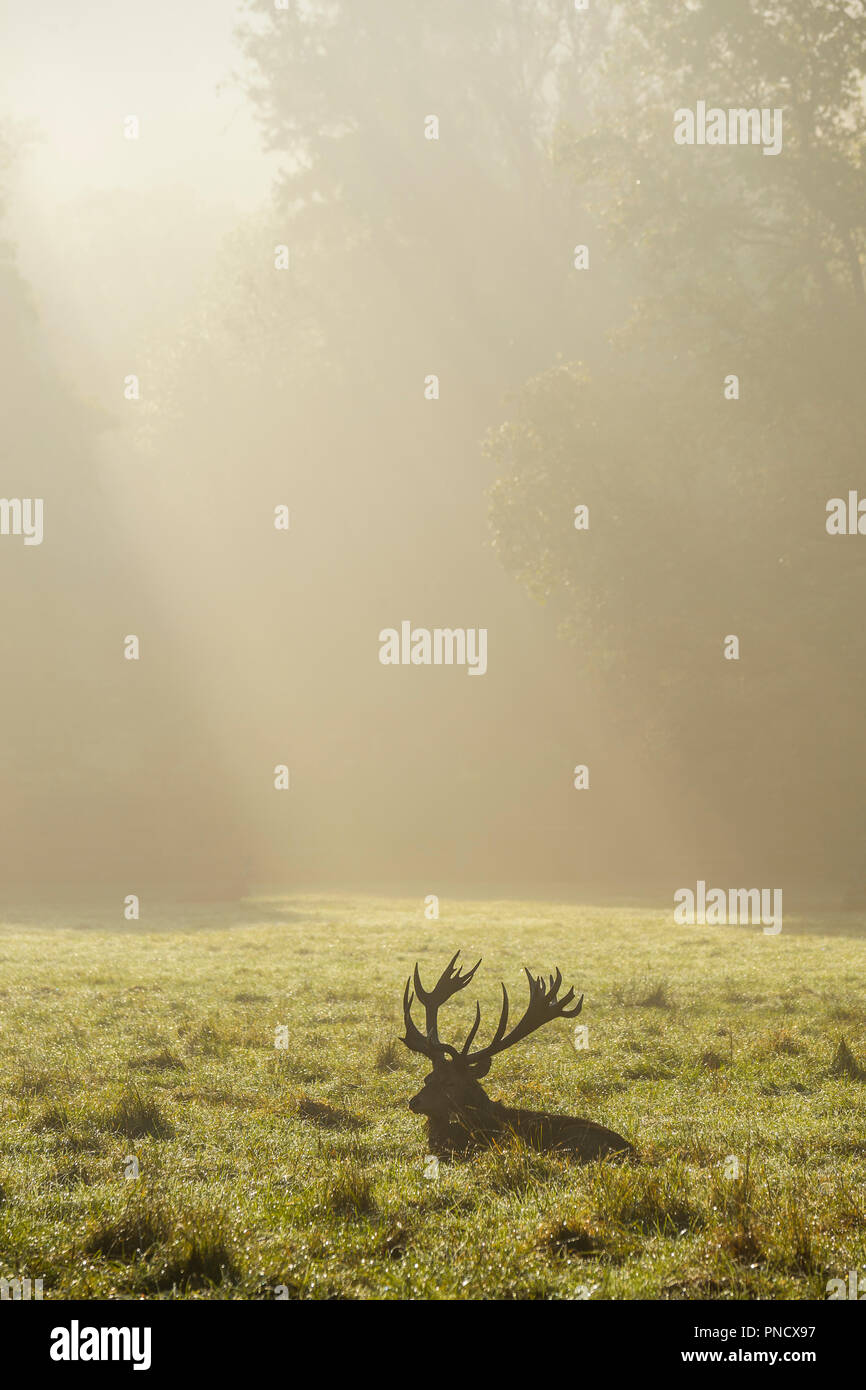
<point>449,982</point>
<point>543,1006</point>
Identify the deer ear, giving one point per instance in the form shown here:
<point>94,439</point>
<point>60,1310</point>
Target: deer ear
<point>480,1068</point>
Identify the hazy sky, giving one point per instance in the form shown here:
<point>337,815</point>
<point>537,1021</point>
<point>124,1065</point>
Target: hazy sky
<point>89,205</point>
<point>260,648</point>
<point>77,70</point>
<point>152,261</point>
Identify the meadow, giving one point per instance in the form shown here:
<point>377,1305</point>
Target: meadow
<point>734,1061</point>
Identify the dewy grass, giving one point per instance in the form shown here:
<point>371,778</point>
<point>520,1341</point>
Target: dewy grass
<point>137,1116</point>
<point>155,1142</point>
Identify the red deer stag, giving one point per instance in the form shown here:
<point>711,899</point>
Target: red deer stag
<point>459,1112</point>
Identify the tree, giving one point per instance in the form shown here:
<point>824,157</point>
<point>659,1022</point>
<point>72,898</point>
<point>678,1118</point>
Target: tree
<point>111,784</point>
<point>708,513</point>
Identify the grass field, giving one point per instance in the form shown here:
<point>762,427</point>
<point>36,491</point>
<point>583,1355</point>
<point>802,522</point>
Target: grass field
<point>268,1172</point>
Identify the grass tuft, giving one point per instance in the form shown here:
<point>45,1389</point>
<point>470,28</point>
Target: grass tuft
<point>349,1192</point>
<point>644,992</point>
<point>129,1235</point>
<point>565,1239</point>
<point>845,1063</point>
<point>195,1258</point>
<point>389,1056</point>
<point>136,1116</point>
<point>158,1061</point>
<point>52,1120</point>
<point>326,1116</point>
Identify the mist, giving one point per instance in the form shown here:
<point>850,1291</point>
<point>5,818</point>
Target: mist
<point>321,264</point>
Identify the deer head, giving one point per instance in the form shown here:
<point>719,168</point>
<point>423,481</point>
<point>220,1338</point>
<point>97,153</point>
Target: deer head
<point>452,1087</point>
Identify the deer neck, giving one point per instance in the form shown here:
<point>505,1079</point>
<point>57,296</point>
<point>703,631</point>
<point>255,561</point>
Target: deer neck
<point>482,1115</point>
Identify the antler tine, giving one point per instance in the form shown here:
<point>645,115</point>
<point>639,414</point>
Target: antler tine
<point>414,1039</point>
<point>450,982</point>
<point>503,1019</point>
<point>472,1031</point>
<point>543,1006</point>
<point>561,1011</point>
<point>500,1028</point>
